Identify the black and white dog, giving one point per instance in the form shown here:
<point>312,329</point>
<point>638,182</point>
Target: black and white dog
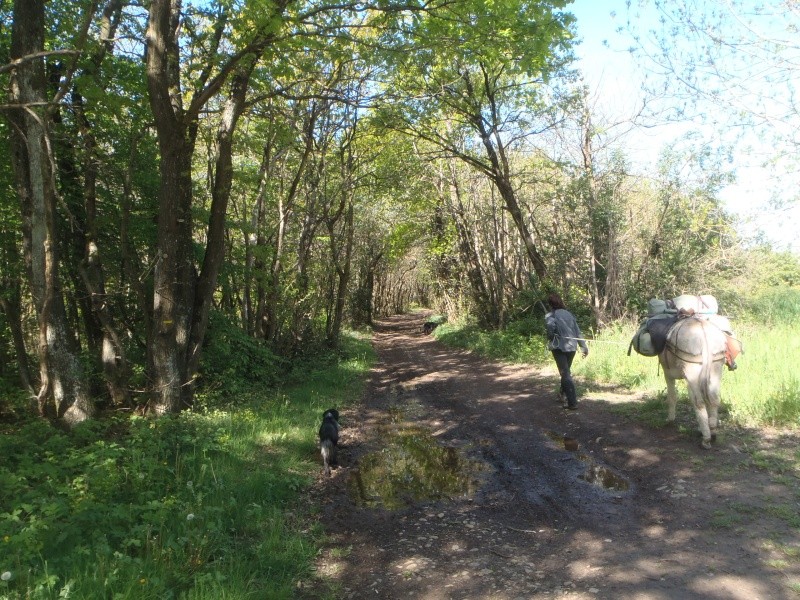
<point>329,438</point>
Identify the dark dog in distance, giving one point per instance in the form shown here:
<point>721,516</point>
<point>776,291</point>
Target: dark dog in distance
<point>329,438</point>
<point>428,327</point>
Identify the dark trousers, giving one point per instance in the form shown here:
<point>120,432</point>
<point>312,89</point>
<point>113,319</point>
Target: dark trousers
<point>564,364</point>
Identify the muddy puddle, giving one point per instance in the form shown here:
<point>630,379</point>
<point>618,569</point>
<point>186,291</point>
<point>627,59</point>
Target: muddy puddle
<point>595,474</point>
<point>412,467</point>
<point>605,478</point>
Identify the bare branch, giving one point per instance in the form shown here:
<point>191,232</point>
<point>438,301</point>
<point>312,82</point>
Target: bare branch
<point>35,56</point>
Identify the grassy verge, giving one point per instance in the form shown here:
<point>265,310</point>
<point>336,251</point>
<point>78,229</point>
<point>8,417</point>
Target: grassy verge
<point>505,345</point>
<point>204,505</point>
<point>764,390</point>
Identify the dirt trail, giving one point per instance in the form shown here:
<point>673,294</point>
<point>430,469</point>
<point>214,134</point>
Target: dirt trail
<point>692,523</point>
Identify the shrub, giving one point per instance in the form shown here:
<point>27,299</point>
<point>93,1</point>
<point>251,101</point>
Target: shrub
<point>233,362</point>
<point>780,305</point>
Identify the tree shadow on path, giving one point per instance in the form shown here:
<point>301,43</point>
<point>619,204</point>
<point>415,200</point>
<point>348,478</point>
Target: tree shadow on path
<point>691,523</point>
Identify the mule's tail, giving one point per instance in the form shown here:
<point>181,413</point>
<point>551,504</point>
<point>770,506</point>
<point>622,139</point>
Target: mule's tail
<point>328,451</point>
<point>707,359</point>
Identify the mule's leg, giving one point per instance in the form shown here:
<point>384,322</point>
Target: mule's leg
<point>713,398</point>
<point>672,398</point>
<point>698,400</point>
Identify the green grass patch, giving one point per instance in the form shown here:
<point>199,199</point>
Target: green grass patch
<point>763,391</point>
<point>650,410</point>
<point>202,505</point>
<point>791,551</point>
<point>786,513</point>
<point>725,520</point>
<point>499,345</point>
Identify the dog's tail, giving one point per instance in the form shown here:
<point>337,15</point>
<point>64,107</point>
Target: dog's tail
<point>328,450</point>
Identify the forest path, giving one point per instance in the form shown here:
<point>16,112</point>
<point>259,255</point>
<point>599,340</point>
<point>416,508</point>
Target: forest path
<point>691,523</point>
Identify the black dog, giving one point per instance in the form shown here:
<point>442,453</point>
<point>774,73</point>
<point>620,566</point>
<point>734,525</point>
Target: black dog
<point>329,438</point>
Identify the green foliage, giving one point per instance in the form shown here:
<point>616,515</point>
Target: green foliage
<point>778,306</point>
<point>234,362</point>
<point>473,70</point>
<point>609,361</point>
<point>527,327</point>
<point>765,389</point>
<point>14,402</point>
<point>436,319</point>
<point>204,505</point>
<point>503,345</point>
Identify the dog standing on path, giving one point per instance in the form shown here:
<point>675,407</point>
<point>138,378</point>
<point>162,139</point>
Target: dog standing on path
<point>329,438</point>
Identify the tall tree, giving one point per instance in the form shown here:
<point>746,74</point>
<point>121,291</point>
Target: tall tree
<point>471,84</point>
<point>11,294</point>
<point>80,162</point>
<point>182,297</point>
<point>63,389</point>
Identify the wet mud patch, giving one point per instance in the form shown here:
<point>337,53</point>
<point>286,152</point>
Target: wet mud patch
<point>605,478</point>
<point>595,473</point>
<point>412,467</point>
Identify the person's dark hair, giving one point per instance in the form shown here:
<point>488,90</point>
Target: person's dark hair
<point>555,301</point>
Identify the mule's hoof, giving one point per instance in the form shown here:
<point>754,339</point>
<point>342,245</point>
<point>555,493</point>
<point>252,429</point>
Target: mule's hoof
<point>706,444</point>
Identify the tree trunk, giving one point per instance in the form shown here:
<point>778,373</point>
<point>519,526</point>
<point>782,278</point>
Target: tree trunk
<point>173,274</point>
<point>587,153</point>
<point>182,299</point>
<point>63,392</point>
<point>341,257</point>
<point>254,240</point>
<point>468,251</point>
<point>112,356</point>
<point>131,263</point>
<point>285,208</point>
<point>509,196</point>
<point>215,249</point>
<point>11,305</point>
<point>500,174</point>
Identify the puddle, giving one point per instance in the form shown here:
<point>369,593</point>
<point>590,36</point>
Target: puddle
<point>594,474</point>
<point>568,443</point>
<point>605,478</point>
<point>412,467</point>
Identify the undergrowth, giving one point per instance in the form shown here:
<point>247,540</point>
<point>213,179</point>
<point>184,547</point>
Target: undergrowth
<point>202,505</point>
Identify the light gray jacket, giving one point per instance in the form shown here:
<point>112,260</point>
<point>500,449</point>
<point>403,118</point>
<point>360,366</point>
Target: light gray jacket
<point>563,332</point>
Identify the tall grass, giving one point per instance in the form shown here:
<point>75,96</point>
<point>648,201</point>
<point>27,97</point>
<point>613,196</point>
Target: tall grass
<point>202,506</point>
<point>505,345</point>
<point>764,390</point>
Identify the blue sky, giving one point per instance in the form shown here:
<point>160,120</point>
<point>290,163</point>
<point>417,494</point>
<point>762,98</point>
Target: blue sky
<point>614,77</point>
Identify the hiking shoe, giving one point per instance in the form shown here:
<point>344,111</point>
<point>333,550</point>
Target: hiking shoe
<point>568,407</point>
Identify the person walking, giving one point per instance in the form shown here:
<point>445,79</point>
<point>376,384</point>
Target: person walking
<point>563,339</point>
